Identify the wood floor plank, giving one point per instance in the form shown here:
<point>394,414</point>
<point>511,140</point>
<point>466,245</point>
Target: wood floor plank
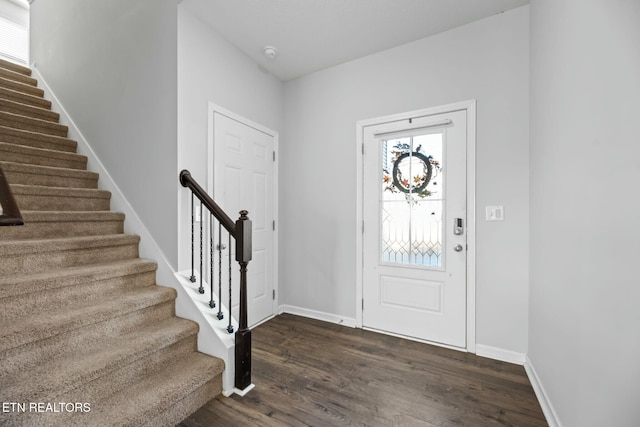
<point>312,373</point>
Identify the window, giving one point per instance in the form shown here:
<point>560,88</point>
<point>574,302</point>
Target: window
<point>14,31</point>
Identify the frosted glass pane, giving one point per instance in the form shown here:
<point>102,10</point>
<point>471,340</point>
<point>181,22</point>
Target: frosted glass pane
<point>411,200</point>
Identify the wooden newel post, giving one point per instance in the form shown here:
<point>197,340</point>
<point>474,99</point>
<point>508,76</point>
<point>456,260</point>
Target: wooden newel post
<point>243,335</point>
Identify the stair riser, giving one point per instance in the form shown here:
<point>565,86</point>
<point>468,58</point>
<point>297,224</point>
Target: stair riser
<point>47,230</point>
<point>33,353</point>
<point>50,281</point>
<point>21,154</point>
<point>32,125</point>
<point>36,140</point>
<point>21,87</point>
<point>24,304</point>
<point>28,202</point>
<point>23,98</point>
<point>26,178</point>
<point>28,111</point>
<point>180,410</point>
<point>37,262</point>
<point>119,379</point>
<point>18,77</point>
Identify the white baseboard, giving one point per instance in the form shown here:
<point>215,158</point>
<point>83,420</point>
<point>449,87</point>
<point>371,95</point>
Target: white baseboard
<point>318,315</point>
<point>547,408</point>
<point>500,354</point>
<point>243,393</point>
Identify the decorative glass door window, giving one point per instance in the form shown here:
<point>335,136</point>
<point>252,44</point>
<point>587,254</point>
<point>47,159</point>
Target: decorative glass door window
<point>412,200</point>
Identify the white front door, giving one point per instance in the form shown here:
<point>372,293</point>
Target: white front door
<point>414,241</point>
<point>244,179</point>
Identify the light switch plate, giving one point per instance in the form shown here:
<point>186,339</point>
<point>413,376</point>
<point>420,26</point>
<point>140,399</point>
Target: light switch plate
<point>495,213</point>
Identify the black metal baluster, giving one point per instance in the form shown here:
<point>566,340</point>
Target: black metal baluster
<point>193,220</point>
<point>201,288</point>
<point>230,328</point>
<point>220,314</point>
<point>212,303</point>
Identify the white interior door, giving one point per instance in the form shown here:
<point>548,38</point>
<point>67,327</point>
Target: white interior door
<point>414,241</point>
<point>244,179</point>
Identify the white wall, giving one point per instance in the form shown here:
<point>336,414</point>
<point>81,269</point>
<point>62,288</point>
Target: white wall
<point>487,61</point>
<point>113,66</point>
<point>584,339</point>
<point>210,69</point>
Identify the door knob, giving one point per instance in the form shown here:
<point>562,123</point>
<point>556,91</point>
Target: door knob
<point>458,248</point>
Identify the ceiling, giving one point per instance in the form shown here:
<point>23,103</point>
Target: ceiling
<point>311,35</point>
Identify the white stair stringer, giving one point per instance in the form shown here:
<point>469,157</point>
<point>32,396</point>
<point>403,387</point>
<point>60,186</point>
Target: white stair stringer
<point>223,344</point>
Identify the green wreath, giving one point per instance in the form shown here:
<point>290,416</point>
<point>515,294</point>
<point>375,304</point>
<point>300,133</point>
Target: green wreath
<point>419,182</point>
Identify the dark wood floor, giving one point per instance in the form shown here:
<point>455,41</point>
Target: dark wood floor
<point>311,373</point>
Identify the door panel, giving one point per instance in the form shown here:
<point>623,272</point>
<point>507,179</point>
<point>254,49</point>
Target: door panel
<point>414,266</point>
<point>244,179</point>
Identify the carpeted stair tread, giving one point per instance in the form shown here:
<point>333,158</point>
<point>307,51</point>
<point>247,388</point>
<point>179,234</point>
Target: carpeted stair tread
<point>148,399</point>
<point>32,256</point>
<point>9,74</point>
<point>41,198</point>
<point>39,291</point>
<point>21,87</point>
<point>49,176</point>
<point>15,107</point>
<point>54,224</point>
<point>54,216</point>
<point>40,156</point>
<point>18,121</point>
<point>33,353</point>
<point>64,373</point>
<point>11,286</point>
<point>15,67</point>
<point>59,191</point>
<point>58,320</point>
<point>24,98</point>
<point>36,246</point>
<point>36,139</point>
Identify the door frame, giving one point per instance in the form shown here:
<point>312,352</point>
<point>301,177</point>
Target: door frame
<point>214,108</point>
<point>470,108</point>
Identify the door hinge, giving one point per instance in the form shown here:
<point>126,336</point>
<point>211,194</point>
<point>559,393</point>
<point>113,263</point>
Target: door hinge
<point>274,225</point>
<point>274,155</point>
<point>363,226</point>
<point>362,304</point>
<point>363,148</point>
<point>274,294</point>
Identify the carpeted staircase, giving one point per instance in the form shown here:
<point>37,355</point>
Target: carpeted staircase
<point>81,318</point>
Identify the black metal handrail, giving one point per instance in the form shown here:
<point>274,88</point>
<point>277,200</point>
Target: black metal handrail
<point>9,211</point>
<point>241,231</point>
<point>187,181</point>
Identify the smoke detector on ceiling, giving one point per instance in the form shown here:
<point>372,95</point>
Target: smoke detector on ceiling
<point>270,52</point>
